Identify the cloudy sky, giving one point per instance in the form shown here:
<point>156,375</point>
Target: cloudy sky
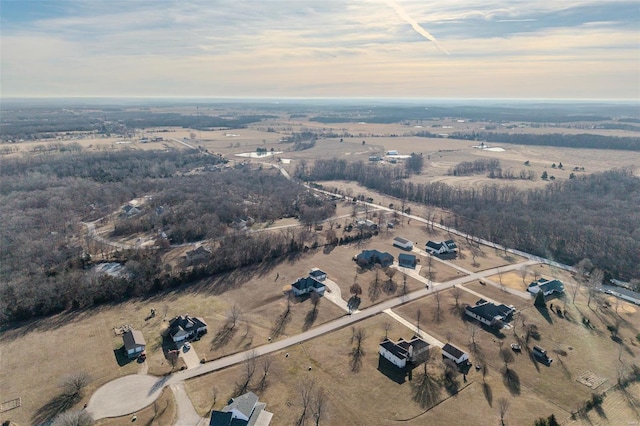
<point>577,49</point>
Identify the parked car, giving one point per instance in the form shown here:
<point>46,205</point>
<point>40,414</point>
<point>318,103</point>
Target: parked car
<point>186,346</point>
<point>516,347</point>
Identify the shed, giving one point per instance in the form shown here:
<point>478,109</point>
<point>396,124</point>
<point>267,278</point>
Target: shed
<point>403,243</point>
<point>454,354</point>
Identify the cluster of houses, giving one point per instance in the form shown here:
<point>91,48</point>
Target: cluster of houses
<point>312,283</point>
<point>404,352</point>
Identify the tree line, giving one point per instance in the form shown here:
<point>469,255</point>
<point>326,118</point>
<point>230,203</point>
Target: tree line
<point>47,257</point>
<point>594,216</point>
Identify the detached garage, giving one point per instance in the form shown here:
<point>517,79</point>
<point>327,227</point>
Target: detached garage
<point>403,243</point>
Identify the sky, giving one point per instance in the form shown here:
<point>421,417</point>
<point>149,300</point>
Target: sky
<point>534,49</point>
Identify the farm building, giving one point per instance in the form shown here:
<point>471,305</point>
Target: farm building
<point>407,260</point>
<point>403,243</point>
<point>307,285</point>
<point>547,287</point>
<point>134,343</point>
<point>402,351</point>
<point>489,313</point>
<point>454,354</point>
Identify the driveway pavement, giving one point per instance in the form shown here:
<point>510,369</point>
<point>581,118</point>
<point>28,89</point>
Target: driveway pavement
<point>125,395</point>
<point>190,357</point>
<point>187,415</point>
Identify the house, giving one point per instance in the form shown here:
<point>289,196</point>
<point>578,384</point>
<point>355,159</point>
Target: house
<point>134,343</point>
<point>317,274</point>
<point>547,287</point>
<point>244,410</point>
<point>402,351</point>
<point>307,285</point>
<point>366,224</point>
<point>441,247</point>
<point>489,313</point>
<point>454,354</point>
<point>407,260</point>
<point>369,257</point>
<point>199,255</point>
<point>130,210</point>
<point>184,327</point>
<point>402,243</point>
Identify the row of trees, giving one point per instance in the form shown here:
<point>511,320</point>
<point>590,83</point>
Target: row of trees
<point>593,216</point>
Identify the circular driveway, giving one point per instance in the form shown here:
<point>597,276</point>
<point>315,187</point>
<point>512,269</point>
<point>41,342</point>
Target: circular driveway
<point>125,395</point>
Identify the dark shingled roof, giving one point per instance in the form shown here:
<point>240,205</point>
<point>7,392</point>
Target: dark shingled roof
<point>394,349</point>
<point>401,240</point>
<point>452,350</point>
<point>133,339</point>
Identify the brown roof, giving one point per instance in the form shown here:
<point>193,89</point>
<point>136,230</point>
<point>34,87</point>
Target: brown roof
<point>133,339</point>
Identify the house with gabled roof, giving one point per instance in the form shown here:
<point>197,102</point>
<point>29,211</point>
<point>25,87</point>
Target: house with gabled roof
<point>134,343</point>
<point>369,257</point>
<point>185,327</point>
<point>403,243</point>
<point>402,351</point>
<point>407,260</point>
<point>130,210</point>
<point>547,287</point>
<point>441,247</point>
<point>307,285</point>
<point>489,313</point>
<point>318,274</point>
<point>454,354</point>
<point>244,410</point>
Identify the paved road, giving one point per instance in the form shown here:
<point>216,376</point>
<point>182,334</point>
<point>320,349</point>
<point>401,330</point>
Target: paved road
<point>125,395</point>
<point>187,415</point>
<point>425,336</point>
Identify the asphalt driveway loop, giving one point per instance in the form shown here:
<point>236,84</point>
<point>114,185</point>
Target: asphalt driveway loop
<point>190,357</point>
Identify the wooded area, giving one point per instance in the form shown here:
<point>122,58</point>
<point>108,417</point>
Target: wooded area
<point>45,262</point>
<point>593,216</point>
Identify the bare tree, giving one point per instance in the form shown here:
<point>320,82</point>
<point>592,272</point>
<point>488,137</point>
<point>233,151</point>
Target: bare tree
<point>500,274</point>
<point>266,366</point>
<point>250,363</point>
<point>524,273</point>
<point>473,330</point>
<point>438,308</point>
<point>595,279</point>
<point>74,384</point>
<point>358,334</point>
<point>315,301</point>
<point>73,418</point>
<point>503,407</point>
<point>233,316</point>
<point>320,401</point>
<point>355,290</point>
<point>387,326</point>
<point>506,355</point>
<point>456,293</point>
<point>306,399</point>
<point>418,316</point>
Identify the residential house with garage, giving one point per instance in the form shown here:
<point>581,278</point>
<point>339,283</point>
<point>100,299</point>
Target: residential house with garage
<point>370,257</point>
<point>403,351</point>
<point>185,327</point>
<point>244,410</point>
<point>548,287</point>
<point>307,285</point>
<point>134,343</point>
<point>439,248</point>
<point>489,313</point>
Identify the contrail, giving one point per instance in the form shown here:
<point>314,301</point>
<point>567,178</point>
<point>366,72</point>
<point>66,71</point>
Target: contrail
<point>408,19</point>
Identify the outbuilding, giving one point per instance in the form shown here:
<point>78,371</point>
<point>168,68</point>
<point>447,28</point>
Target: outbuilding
<point>454,354</point>
<point>403,243</point>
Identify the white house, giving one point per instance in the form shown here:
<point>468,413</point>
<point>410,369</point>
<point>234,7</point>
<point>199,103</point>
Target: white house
<point>307,285</point>
<point>399,353</point>
<point>242,411</point>
<point>134,343</point>
<point>489,313</point>
<point>441,247</point>
<point>454,354</point>
<point>403,243</point>
<point>318,274</point>
<point>546,286</point>
<point>185,327</point>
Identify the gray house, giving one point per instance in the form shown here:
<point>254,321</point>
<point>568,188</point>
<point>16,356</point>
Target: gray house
<point>244,410</point>
<point>134,343</point>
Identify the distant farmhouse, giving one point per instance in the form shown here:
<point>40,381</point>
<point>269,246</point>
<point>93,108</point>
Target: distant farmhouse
<point>489,313</point>
<point>244,410</point>
<point>407,260</point>
<point>548,287</point>
<point>369,257</point>
<point>366,224</point>
<point>403,243</point>
<point>184,327</point>
<point>307,285</point>
<point>130,210</point>
<point>439,248</point>
<point>134,343</point>
<point>399,353</point>
<point>199,255</point>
